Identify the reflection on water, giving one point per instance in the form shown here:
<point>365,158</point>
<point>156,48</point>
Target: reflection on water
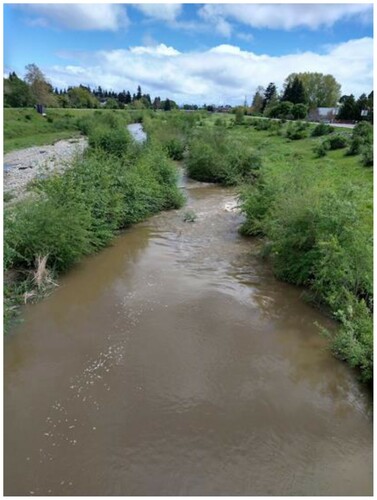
<point>173,363</point>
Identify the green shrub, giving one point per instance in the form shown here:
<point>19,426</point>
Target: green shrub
<point>315,239</point>
<point>47,228</point>
<point>204,163</point>
<point>362,136</point>
<point>367,155</point>
<point>219,122</point>
<point>322,129</point>
<point>189,216</point>
<point>175,149</point>
<point>281,110</point>
<point>297,131</point>
<point>299,111</point>
<point>215,158</point>
<point>262,124</point>
<point>337,141</point>
<point>239,116</point>
<point>354,342</point>
<point>356,146</point>
<point>112,141</point>
<point>320,150</point>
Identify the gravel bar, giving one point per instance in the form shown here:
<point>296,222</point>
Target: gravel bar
<point>22,166</point>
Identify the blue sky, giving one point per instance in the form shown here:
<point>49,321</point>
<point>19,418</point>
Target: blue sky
<point>214,53</point>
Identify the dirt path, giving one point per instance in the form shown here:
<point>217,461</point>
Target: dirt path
<point>21,167</point>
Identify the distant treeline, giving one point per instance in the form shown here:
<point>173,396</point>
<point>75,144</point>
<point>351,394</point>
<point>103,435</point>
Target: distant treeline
<point>304,93</point>
<point>35,89</point>
<point>301,96</point>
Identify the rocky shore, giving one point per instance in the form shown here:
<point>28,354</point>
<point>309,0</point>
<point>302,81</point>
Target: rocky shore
<point>22,166</point>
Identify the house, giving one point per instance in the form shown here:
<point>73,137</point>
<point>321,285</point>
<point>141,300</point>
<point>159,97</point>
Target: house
<point>323,114</point>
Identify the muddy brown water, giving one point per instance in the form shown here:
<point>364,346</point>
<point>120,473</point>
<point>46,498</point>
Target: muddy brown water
<point>173,363</point>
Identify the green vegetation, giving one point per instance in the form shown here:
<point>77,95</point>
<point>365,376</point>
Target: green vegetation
<point>25,127</point>
<point>362,142</point>
<point>337,141</point>
<point>316,217</point>
<point>216,156</point>
<point>189,216</point>
<point>314,211</point>
<point>322,129</point>
<point>79,212</point>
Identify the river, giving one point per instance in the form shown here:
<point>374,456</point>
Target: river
<point>174,363</point>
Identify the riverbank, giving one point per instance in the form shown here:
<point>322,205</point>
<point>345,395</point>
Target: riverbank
<point>115,184</point>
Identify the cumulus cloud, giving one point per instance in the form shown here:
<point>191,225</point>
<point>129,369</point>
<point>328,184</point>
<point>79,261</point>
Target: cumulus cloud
<point>221,74</point>
<point>157,50</point>
<point>285,16</point>
<point>161,12</point>
<point>77,16</point>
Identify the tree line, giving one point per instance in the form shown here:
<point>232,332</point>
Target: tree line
<point>35,89</point>
<point>303,92</point>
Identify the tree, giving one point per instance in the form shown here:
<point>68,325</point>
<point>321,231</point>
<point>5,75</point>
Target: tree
<point>80,97</point>
<point>270,96</point>
<point>320,90</point>
<point>167,105</point>
<point>257,102</point>
<point>40,89</point>
<point>112,103</point>
<point>16,92</point>
<point>157,103</point>
<point>294,92</point>
<point>281,110</point>
<point>348,110</point>
<point>146,100</point>
<point>370,107</point>
<point>128,98</point>
<point>139,94</point>
<point>362,104</point>
<point>299,111</point>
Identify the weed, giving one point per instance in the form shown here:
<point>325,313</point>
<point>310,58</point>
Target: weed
<point>189,216</point>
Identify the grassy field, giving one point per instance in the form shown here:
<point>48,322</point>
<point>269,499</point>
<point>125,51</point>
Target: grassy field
<point>25,127</point>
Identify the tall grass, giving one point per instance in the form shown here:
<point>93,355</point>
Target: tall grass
<point>316,237</point>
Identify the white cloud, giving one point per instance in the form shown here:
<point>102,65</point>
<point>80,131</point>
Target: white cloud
<point>215,17</point>
<point>77,16</point>
<point>222,74</point>
<point>286,16</point>
<point>161,12</point>
<point>157,50</point>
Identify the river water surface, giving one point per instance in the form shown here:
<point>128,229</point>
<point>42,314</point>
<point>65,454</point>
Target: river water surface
<point>173,363</point>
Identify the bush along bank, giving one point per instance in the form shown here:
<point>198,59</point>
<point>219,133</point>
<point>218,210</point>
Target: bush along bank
<point>117,183</point>
<point>215,156</point>
<point>315,237</point>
